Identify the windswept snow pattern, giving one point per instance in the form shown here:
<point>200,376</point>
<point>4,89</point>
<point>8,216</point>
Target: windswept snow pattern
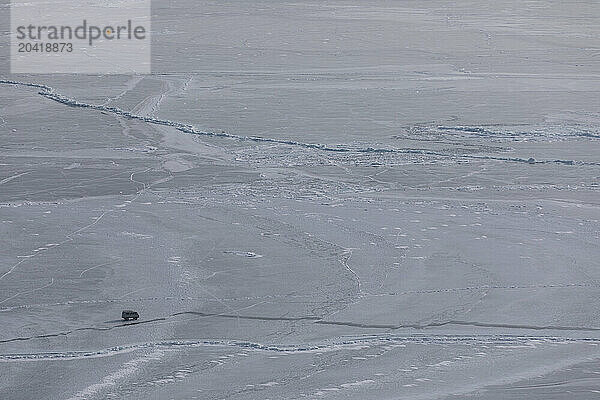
<point>338,201</point>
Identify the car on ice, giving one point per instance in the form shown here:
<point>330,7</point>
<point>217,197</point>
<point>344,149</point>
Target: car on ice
<point>129,314</point>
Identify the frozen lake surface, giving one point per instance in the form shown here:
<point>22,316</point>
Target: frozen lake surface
<point>311,200</point>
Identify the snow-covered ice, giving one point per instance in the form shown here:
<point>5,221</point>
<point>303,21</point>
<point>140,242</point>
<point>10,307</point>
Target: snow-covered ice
<point>322,200</point>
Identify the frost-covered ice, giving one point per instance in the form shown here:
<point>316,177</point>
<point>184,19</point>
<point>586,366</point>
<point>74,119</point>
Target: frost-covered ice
<point>341,200</point>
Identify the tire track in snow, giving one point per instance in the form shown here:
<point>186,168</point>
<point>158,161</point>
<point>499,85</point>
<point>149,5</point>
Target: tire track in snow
<point>316,320</point>
<point>487,287</point>
<point>87,328</point>
<point>297,296</point>
<point>112,379</point>
<point>10,178</point>
<point>98,266</point>
<point>169,298</point>
<point>346,257</point>
<point>29,291</point>
<point>70,236</point>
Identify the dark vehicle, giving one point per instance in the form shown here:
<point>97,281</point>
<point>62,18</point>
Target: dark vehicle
<point>129,314</point>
